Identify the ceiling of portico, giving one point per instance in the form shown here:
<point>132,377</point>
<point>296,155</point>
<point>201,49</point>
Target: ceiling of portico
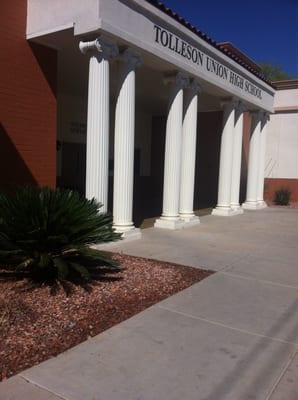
<point>151,92</point>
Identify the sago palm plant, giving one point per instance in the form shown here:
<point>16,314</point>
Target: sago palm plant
<point>282,197</point>
<point>46,234</point>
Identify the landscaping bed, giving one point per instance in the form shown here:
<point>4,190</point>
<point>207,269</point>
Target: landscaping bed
<point>39,322</point>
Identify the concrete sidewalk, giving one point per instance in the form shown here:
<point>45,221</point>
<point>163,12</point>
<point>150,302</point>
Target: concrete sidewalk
<point>233,336</point>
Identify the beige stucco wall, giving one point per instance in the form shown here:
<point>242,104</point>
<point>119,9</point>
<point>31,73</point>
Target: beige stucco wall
<point>286,98</point>
<point>282,137</point>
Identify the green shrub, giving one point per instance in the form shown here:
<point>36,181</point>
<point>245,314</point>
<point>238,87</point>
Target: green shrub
<point>282,197</point>
<point>46,234</point>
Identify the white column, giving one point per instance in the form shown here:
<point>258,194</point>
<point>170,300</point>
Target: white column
<point>188,158</point>
<point>251,202</point>
<point>124,147</point>
<point>172,166</point>
<point>97,157</point>
<point>223,207</point>
<point>237,154</point>
<point>260,193</point>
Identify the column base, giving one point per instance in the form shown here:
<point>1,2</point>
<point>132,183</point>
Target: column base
<point>226,211</point>
<point>237,208</point>
<point>133,234</point>
<point>128,233</point>
<point>254,205</point>
<point>262,204</point>
<point>190,219</point>
<point>167,223</point>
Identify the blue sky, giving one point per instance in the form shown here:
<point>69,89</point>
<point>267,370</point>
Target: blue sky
<point>266,30</point>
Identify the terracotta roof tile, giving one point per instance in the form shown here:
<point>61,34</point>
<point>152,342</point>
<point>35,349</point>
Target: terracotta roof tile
<point>161,6</point>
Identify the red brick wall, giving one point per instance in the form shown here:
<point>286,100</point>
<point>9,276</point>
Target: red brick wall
<point>27,103</point>
<point>273,184</point>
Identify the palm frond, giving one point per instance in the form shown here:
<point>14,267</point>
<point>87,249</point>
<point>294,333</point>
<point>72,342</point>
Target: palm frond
<point>50,227</point>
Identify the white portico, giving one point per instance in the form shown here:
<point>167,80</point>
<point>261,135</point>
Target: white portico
<point>153,85</point>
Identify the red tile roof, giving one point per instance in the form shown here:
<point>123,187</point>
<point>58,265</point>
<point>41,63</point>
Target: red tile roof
<point>238,53</point>
<point>231,51</point>
<point>286,84</point>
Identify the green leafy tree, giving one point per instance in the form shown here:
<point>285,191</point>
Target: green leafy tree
<point>46,234</point>
<point>274,72</point>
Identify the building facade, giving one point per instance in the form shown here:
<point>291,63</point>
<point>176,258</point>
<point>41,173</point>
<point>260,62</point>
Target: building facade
<point>126,102</point>
<point>281,169</point>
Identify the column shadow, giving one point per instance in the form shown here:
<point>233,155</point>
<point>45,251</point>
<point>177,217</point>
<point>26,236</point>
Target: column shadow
<point>14,171</point>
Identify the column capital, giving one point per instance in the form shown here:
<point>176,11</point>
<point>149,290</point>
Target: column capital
<point>107,50</point>
<point>229,103</point>
<point>178,79</point>
<point>241,106</point>
<point>257,115</point>
<point>266,116</point>
<point>132,58</point>
<point>195,86</point>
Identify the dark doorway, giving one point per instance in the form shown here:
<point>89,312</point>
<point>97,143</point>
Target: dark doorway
<point>73,168</point>
<point>148,189</point>
<point>207,163</point>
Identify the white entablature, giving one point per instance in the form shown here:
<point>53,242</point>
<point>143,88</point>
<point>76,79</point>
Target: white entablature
<point>144,27</point>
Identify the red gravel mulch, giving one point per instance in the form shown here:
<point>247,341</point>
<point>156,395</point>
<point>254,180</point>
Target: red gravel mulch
<point>36,324</point>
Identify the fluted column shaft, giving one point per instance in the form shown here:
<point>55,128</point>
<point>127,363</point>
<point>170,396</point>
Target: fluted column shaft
<point>172,164</point>
<point>97,157</point>
<point>253,163</point>
<point>263,135</point>
<point>173,153</point>
<point>223,207</point>
<point>188,158</point>
<point>237,154</point>
<point>124,144</point>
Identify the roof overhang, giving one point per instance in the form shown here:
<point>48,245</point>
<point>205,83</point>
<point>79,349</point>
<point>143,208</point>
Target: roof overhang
<point>286,84</point>
<point>146,28</point>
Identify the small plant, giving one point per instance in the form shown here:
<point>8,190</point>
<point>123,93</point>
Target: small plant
<point>46,234</point>
<point>282,197</point>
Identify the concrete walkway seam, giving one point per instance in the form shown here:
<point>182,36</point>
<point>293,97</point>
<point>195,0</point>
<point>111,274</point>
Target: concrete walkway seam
<point>283,371</point>
<point>227,326</point>
<point>42,387</point>
<point>257,280</point>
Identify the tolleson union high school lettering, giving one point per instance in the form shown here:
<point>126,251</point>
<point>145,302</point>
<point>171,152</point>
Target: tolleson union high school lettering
<point>194,55</point>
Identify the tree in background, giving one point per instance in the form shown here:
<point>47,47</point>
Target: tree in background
<point>274,72</point>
